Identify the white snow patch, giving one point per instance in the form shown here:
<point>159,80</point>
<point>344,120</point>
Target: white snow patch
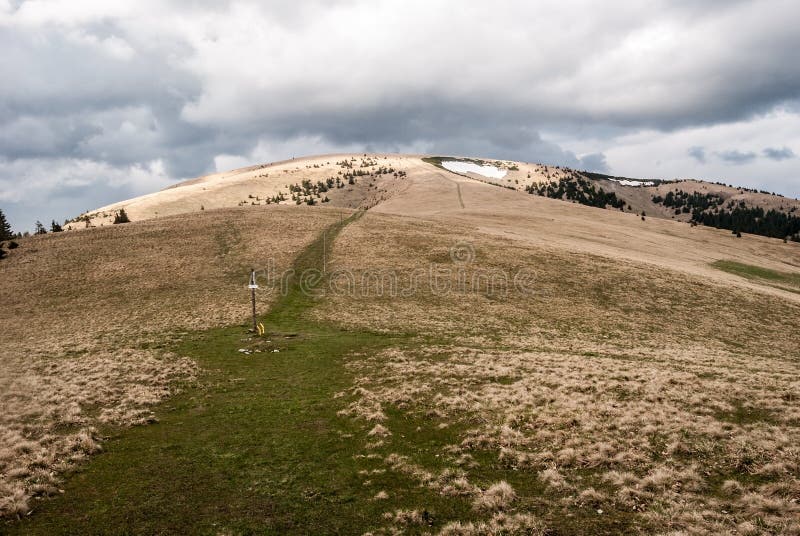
<point>492,172</point>
<point>633,183</point>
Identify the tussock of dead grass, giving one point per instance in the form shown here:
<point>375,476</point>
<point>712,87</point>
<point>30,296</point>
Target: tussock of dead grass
<point>500,523</point>
<point>553,478</point>
<point>365,407</point>
<point>379,431</point>
<point>591,497</point>
<point>498,496</point>
<point>84,317</point>
<point>13,500</point>
<point>405,517</point>
<point>450,482</point>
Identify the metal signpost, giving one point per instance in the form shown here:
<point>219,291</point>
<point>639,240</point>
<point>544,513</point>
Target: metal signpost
<point>253,286</point>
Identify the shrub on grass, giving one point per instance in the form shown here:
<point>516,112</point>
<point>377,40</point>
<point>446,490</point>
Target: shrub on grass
<point>121,217</point>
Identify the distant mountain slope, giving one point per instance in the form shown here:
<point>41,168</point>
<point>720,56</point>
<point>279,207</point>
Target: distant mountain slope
<point>352,180</point>
<point>365,180</point>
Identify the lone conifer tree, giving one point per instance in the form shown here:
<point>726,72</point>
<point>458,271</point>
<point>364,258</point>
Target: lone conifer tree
<point>40,228</point>
<point>121,217</point>
<point>5,228</point>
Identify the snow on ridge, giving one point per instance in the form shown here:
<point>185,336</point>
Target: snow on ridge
<point>491,172</point>
<point>626,182</point>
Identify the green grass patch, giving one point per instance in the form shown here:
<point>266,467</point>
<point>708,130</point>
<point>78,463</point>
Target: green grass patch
<point>742,414</point>
<point>784,280</point>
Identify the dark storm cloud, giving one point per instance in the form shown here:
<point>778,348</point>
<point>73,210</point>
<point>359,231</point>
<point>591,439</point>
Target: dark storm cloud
<point>783,153</point>
<point>27,137</point>
<point>698,153</point>
<point>595,162</point>
<point>448,126</point>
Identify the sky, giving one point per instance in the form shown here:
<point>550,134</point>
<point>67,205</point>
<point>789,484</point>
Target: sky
<point>101,101</point>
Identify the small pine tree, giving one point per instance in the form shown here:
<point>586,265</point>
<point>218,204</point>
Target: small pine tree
<point>40,230</point>
<point>121,217</point>
<point>55,228</point>
<point>5,228</point>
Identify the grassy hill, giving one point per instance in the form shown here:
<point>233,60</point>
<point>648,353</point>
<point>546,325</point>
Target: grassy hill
<point>366,180</point>
<point>457,359</point>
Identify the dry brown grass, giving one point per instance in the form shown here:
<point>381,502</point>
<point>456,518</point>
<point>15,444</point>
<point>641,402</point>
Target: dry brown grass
<point>529,220</point>
<point>619,387</point>
<point>500,523</point>
<point>85,316</point>
<point>253,185</point>
<point>497,497</point>
<point>630,378</point>
<point>575,301</point>
<point>652,434</point>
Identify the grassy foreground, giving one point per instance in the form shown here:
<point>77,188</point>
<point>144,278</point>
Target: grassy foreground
<point>258,447</point>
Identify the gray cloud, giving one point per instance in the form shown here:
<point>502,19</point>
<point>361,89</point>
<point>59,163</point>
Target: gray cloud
<point>783,153</point>
<point>698,153</point>
<point>111,90</point>
<point>595,162</point>
<point>736,157</point>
